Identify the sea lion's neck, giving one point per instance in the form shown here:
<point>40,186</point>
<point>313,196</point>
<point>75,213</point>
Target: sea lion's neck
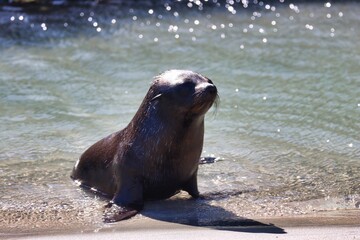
<point>153,122</point>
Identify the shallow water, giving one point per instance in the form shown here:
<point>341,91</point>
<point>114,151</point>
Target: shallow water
<point>286,130</point>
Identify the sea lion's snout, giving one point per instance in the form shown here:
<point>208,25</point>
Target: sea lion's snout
<point>208,87</point>
<point>211,88</point>
<point>206,94</point>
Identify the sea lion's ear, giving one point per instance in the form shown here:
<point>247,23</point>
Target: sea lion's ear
<point>156,97</point>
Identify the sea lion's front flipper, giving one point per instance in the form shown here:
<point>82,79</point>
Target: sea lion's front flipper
<point>128,200</point>
<point>114,213</point>
<point>191,186</point>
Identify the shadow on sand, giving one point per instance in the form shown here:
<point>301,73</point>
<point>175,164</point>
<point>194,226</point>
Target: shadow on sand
<point>200,213</point>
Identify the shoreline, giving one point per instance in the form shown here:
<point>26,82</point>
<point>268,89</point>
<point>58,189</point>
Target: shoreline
<point>346,222</point>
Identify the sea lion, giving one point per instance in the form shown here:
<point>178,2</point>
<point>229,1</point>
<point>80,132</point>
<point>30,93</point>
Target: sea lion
<point>158,153</point>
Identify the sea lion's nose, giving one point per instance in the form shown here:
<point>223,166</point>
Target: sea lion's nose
<point>211,88</point>
<point>206,86</point>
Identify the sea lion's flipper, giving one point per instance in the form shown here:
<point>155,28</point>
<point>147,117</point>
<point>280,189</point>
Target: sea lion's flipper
<point>128,200</point>
<point>191,186</point>
<point>130,190</point>
<point>114,213</point>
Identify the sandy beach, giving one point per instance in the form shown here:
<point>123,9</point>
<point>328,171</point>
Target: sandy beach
<point>343,233</point>
<point>323,225</point>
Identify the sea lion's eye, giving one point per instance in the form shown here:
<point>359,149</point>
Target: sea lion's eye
<point>186,88</point>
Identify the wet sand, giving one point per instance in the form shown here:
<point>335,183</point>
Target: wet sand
<point>342,224</point>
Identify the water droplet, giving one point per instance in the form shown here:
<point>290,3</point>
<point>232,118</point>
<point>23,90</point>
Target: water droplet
<point>213,27</point>
<point>231,9</point>
<point>134,18</point>
<point>98,29</point>
<point>351,145</point>
<point>328,140</point>
<point>193,39</point>
<point>341,14</point>
<point>90,19</point>
<point>196,22</point>
<point>328,4</point>
<point>156,39</point>
<point>43,25</point>
<point>308,26</point>
<point>191,30</point>
<point>141,36</point>
<point>173,28</point>
<point>21,17</point>
<point>264,40</point>
<point>113,21</point>
<point>77,182</point>
<point>12,18</point>
<point>95,24</point>
<point>294,8</point>
<point>151,11</point>
<point>230,25</point>
<point>177,36</point>
<point>264,98</point>
<point>242,46</point>
<point>66,24</point>
<point>273,23</point>
<point>278,130</point>
<point>328,15</point>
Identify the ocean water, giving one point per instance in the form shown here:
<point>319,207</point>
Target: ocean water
<point>286,134</point>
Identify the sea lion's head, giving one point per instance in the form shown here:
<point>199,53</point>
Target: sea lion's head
<point>182,92</point>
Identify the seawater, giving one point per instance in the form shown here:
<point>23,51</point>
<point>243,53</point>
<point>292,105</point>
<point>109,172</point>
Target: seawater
<point>286,132</point>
